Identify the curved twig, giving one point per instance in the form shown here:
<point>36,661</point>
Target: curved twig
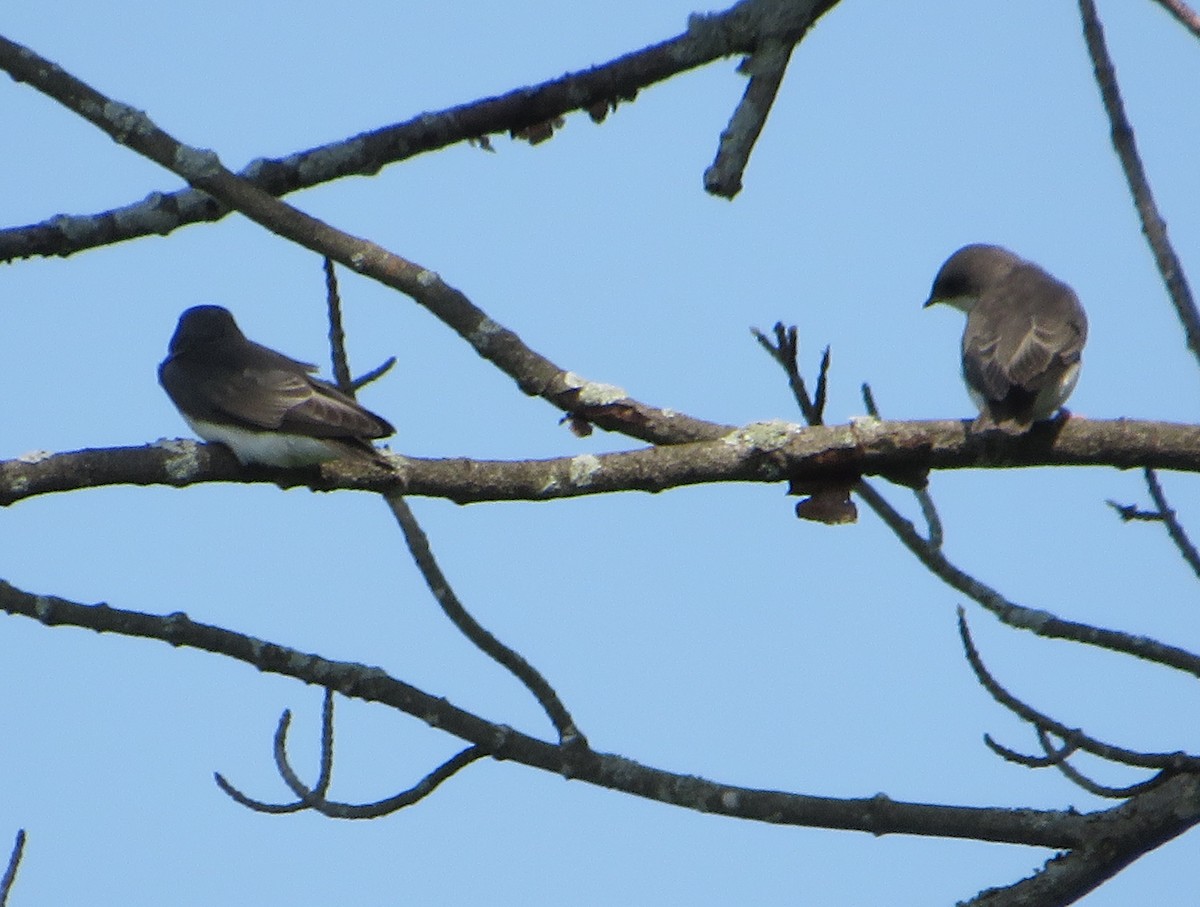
<point>374,374</point>
<point>1177,761</point>
<point>1081,780</point>
<point>314,798</point>
<point>1052,757</point>
<point>324,776</point>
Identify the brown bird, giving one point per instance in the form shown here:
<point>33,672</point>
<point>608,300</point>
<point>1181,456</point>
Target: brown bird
<point>264,406</point>
<point>1024,335</point>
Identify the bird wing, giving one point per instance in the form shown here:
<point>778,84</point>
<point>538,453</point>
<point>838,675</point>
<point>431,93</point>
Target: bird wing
<point>1018,338</point>
<point>287,400</point>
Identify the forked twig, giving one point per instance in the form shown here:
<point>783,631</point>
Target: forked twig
<point>1176,761</point>
<point>314,798</point>
<point>324,776</point>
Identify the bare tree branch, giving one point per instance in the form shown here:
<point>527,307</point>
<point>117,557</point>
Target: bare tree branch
<point>607,406</point>
<point>766,68</point>
<point>738,30</point>
<point>876,815</point>
<point>1092,787</point>
<point>1176,761</point>
<point>761,452</point>
<point>1115,839</point>
<point>1174,529</point>
<point>337,334</point>
<point>568,734</point>
<point>1184,14</point>
<point>324,776</point>
<point>315,798</point>
<point>1123,141</point>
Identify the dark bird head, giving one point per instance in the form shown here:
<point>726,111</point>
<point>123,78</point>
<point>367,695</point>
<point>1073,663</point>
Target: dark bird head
<point>968,272</point>
<point>201,325</point>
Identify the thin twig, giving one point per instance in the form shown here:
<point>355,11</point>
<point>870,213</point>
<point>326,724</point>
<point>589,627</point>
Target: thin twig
<point>786,352</point>
<point>1078,778</point>
<point>315,798</point>
<point>1175,761</point>
<point>1052,757</point>
<point>14,861</point>
<point>1174,529</point>
<point>324,776</point>
<point>934,531</point>
<point>373,375</point>
<point>568,734</point>
<point>1123,141</point>
<point>337,335</point>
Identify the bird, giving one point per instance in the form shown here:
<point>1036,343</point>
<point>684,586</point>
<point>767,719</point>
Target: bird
<point>264,406</point>
<point>1024,336</point>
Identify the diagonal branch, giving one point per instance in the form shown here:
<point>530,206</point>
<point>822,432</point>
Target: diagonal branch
<point>1174,529</point>
<point>418,544</point>
<point>1123,141</point>
<point>10,871</point>
<point>608,407</point>
<point>766,68</point>
<point>1183,14</point>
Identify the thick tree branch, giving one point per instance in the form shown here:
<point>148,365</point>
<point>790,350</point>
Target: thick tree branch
<point>1115,839</point>
<point>760,452</point>
<point>877,815</point>
<point>737,30</point>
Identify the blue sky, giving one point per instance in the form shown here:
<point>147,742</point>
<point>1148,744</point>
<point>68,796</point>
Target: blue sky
<point>705,630</point>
